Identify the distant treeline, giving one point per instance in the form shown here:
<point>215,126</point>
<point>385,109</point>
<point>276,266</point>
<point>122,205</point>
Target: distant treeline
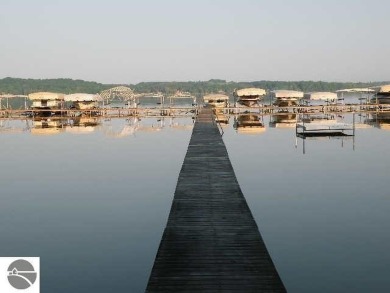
<point>22,86</point>
<point>198,88</point>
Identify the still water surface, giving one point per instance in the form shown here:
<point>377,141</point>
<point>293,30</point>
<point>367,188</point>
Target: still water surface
<point>93,203</point>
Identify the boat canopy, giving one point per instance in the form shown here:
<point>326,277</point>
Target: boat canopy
<point>383,89</point>
<point>287,94</point>
<point>249,92</point>
<point>81,97</point>
<point>321,96</point>
<point>215,97</point>
<point>46,96</point>
<point>356,90</point>
<point>10,96</point>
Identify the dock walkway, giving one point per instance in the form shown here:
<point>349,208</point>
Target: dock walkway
<point>211,242</point>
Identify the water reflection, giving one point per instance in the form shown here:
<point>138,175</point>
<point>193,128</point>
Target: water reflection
<point>249,124</point>
<point>48,126</point>
<point>222,117</point>
<point>111,127</point>
<point>283,120</point>
<point>82,125</point>
<point>322,204</point>
<point>246,123</point>
<point>379,120</point>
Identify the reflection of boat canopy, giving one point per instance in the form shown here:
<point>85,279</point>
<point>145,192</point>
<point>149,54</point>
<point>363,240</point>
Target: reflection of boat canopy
<point>249,123</point>
<point>250,130</point>
<point>126,131</point>
<point>81,97</point>
<point>46,131</point>
<point>249,92</point>
<point>80,129</point>
<point>182,127</point>
<point>320,96</point>
<point>284,121</point>
<point>46,96</point>
<point>281,94</point>
<point>384,126</point>
<point>149,128</point>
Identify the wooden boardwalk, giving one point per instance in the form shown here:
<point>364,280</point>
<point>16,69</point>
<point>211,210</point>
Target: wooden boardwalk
<point>211,242</point>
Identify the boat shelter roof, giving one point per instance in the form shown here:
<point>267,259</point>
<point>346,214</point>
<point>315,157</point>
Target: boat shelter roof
<point>383,89</point>
<point>215,97</point>
<point>46,96</point>
<point>287,94</point>
<point>81,97</point>
<point>10,96</point>
<point>356,90</point>
<point>321,96</point>
<point>250,92</point>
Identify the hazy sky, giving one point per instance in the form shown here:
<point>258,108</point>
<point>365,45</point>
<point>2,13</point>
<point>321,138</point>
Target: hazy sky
<point>129,41</point>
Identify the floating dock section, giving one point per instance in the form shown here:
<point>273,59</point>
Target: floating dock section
<point>211,242</point>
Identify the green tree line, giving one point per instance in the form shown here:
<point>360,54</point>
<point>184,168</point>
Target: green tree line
<point>198,88</point>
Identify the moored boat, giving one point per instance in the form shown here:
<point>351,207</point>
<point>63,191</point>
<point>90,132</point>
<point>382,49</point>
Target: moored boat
<point>286,98</point>
<point>249,96</point>
<point>83,101</point>
<point>46,101</point>
<point>216,100</point>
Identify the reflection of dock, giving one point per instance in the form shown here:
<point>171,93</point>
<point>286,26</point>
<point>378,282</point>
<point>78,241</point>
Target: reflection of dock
<point>211,241</point>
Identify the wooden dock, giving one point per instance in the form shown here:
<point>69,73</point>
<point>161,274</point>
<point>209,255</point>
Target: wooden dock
<point>211,242</point>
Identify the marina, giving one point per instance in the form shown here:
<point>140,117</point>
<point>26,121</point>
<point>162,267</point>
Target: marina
<point>197,146</point>
<point>211,241</point>
<point>143,157</point>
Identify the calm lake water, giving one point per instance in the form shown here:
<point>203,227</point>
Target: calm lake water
<point>92,200</point>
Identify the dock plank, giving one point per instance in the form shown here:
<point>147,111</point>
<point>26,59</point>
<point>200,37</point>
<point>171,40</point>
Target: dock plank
<point>211,242</point>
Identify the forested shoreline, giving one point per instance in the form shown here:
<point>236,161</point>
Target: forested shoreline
<point>22,86</point>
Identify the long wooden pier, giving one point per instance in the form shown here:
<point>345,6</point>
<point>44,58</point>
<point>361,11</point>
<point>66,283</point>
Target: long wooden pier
<point>211,242</point>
